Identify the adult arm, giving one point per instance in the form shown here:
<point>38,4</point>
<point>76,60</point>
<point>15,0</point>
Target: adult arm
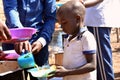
<point>11,13</point>
<point>49,19</point>
<point>4,32</point>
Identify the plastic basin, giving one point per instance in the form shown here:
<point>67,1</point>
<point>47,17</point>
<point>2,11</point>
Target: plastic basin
<point>22,33</point>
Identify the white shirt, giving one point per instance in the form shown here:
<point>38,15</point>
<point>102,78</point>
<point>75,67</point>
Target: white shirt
<point>73,56</point>
<point>104,14</point>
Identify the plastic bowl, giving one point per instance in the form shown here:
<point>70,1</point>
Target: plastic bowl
<point>22,33</point>
<point>11,54</point>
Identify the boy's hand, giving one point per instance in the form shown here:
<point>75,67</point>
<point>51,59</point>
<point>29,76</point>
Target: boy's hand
<point>4,32</point>
<point>36,47</point>
<point>60,72</point>
<point>22,45</point>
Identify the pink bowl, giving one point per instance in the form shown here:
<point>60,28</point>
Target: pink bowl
<point>10,55</point>
<point>22,33</point>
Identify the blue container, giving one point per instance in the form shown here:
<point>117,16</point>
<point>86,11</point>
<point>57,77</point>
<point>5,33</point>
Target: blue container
<point>26,60</point>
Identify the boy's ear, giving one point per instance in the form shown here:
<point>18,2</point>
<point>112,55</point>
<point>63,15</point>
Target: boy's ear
<point>78,18</point>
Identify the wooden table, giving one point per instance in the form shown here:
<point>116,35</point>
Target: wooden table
<point>16,75</point>
<point>9,70</point>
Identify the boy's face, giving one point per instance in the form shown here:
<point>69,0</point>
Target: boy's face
<point>68,23</point>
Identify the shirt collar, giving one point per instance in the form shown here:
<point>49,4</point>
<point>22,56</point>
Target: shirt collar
<point>81,31</point>
<point>79,35</point>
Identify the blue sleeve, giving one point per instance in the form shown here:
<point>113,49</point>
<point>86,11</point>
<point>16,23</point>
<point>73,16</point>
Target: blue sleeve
<point>11,13</point>
<point>49,19</point>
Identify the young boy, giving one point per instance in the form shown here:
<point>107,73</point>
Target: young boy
<point>79,58</point>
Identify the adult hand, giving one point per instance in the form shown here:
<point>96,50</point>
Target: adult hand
<point>22,45</point>
<point>36,47</point>
<point>4,32</point>
<point>2,55</point>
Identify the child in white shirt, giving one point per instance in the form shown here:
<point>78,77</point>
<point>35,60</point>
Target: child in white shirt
<point>79,58</point>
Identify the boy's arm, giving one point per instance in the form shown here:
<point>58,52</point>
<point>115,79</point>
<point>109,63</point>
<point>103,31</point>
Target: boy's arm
<point>11,13</point>
<point>88,67</point>
<point>90,3</point>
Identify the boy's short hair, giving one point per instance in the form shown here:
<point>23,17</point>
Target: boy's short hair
<point>73,6</point>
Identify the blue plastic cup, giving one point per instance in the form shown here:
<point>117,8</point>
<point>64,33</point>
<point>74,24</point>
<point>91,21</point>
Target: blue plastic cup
<point>26,60</point>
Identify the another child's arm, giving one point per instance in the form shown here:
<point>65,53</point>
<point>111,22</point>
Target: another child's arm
<point>12,14</point>
<point>90,3</point>
<point>88,67</point>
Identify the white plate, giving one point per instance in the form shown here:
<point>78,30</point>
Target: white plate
<point>41,72</point>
